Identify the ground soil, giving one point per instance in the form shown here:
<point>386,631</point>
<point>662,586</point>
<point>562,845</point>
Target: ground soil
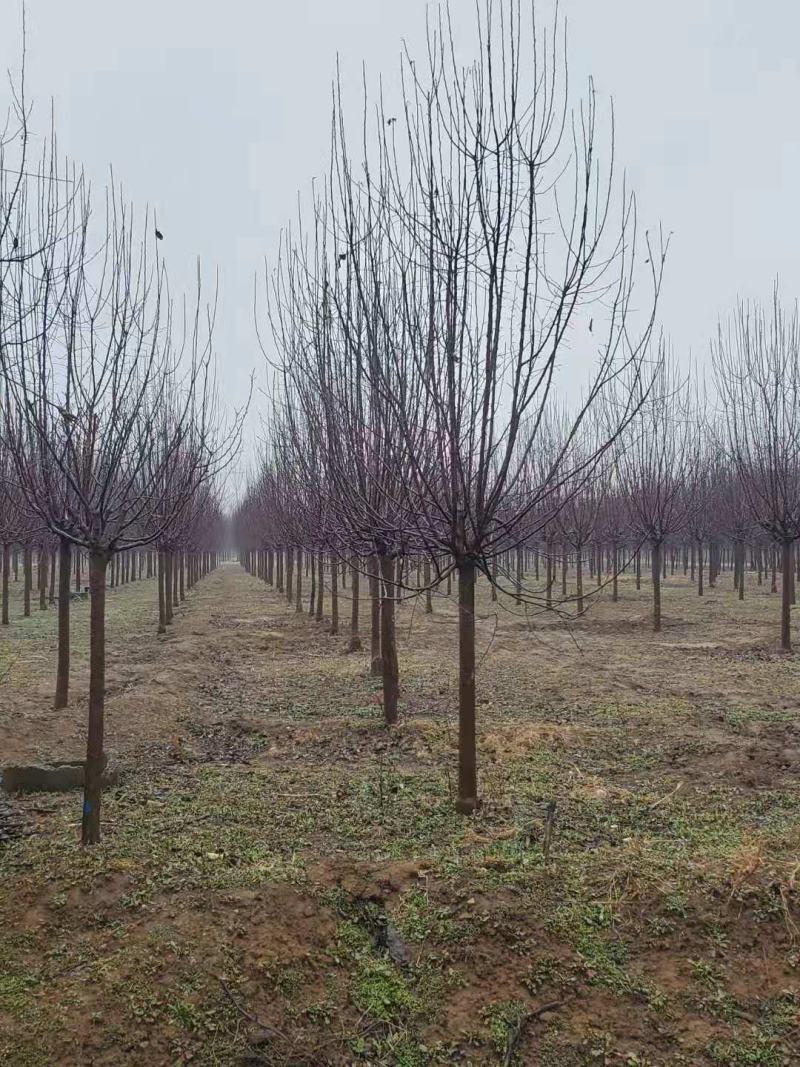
<point>283,879</point>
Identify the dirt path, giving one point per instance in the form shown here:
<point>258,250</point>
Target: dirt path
<point>153,682</point>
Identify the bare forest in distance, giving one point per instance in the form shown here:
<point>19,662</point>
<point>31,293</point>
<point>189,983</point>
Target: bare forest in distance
<point>439,704</point>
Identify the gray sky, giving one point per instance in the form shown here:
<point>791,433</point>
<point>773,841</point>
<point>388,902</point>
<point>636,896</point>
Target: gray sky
<point>216,112</point>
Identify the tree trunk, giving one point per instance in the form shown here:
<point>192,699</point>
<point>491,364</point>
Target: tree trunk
<point>320,586</point>
<point>355,590</point>
<point>579,578</point>
<point>162,611</point>
<point>27,577</point>
<point>564,568</point>
<point>51,594</point>
<point>62,669</point>
<point>98,563</point>
<point>6,575</point>
<point>312,600</point>
<point>700,590</point>
<point>298,583</point>
<point>168,588</point>
<point>426,578</point>
<point>786,596</point>
<point>376,668</point>
<point>656,567</point>
<point>334,597</point>
<point>389,643</point>
<point>773,552</point>
<point>741,551</point>
<point>467,800</point>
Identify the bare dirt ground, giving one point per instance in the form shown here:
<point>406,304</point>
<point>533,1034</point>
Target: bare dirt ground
<point>283,880</point>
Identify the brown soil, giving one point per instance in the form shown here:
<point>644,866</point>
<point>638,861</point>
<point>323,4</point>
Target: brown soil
<point>657,936</point>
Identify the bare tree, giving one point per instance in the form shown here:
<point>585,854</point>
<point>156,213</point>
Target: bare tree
<point>472,297</point>
<point>107,396</point>
<point>650,466</point>
<point>757,370</point>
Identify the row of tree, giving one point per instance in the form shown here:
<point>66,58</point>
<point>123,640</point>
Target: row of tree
<point>431,316</point>
<point>111,438</point>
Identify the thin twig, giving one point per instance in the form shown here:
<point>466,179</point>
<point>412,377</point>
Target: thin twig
<point>244,1012</point>
<point>517,1031</point>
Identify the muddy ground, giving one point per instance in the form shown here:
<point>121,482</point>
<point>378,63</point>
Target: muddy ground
<point>283,880</point>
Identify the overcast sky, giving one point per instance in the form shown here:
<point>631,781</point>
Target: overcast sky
<point>216,112</point>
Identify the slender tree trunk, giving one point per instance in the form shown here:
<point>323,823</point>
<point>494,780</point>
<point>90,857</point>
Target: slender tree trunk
<point>6,575</point>
<point>426,578</point>
<point>700,590</point>
<point>162,610</point>
<point>638,568</point>
<point>98,563</point>
<point>773,552</point>
<point>389,643</point>
<point>579,578</point>
<point>320,586</point>
<point>27,577</point>
<point>289,575</point>
<point>741,550</point>
<point>614,576</point>
<point>334,596</point>
<point>376,668</point>
<point>786,595</point>
<point>467,800</point>
<point>312,601</point>
<point>656,568</point>
<point>355,606</point>
<point>51,594</point>
<point>298,583</point>
<point>168,588</point>
<point>518,584</point>
<point>62,669</point>
<point>564,568</point>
